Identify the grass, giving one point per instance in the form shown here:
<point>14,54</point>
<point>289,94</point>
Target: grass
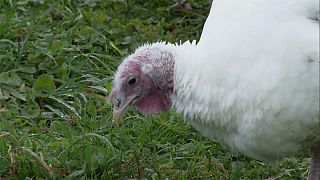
<point>57,59</point>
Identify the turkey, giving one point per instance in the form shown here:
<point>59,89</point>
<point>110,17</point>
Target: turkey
<point>251,82</point>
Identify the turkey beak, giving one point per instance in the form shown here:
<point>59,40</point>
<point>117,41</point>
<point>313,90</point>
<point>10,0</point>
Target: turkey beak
<point>121,106</point>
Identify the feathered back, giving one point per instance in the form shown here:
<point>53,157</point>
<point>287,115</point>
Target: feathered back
<point>255,70</point>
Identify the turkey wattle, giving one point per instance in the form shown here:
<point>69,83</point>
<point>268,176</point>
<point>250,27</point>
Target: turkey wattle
<point>251,82</point>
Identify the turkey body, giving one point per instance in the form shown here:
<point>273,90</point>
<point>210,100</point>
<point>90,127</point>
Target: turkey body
<point>252,81</point>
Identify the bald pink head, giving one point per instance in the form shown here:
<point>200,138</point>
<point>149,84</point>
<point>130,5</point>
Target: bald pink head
<point>144,80</point>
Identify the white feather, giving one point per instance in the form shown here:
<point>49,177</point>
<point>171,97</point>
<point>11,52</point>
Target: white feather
<point>250,82</point>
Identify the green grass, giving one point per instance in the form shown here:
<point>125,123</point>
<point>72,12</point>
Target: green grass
<point>57,59</point>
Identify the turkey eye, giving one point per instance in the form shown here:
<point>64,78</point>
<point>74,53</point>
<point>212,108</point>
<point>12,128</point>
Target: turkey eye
<point>132,81</point>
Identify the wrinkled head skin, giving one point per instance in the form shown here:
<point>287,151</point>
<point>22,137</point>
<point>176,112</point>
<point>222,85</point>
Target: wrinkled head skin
<point>144,80</point>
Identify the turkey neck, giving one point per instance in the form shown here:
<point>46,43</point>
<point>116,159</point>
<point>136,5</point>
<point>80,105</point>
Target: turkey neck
<point>163,72</point>
<point>162,61</point>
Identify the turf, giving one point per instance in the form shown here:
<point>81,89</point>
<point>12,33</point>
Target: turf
<point>57,59</point>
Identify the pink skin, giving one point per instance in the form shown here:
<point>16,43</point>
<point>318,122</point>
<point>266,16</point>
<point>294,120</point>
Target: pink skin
<point>151,92</point>
<point>151,100</point>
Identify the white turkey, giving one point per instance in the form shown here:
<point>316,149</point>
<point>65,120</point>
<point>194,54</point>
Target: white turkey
<point>251,82</point>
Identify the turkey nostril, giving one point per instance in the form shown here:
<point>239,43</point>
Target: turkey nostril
<point>118,103</point>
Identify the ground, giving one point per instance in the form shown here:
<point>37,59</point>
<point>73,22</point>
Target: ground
<point>57,60</point>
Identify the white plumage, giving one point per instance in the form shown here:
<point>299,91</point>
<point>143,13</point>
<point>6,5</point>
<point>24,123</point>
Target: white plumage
<point>251,82</point>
